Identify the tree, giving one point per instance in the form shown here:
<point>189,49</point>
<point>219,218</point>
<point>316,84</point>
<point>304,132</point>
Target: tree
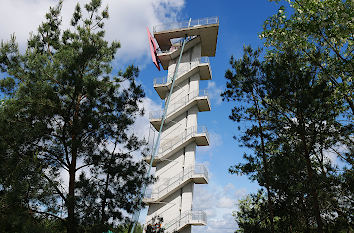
<point>252,214</point>
<point>300,121</point>
<point>64,112</point>
<point>245,84</point>
<point>321,34</point>
<point>306,103</point>
<point>307,117</point>
<point>125,228</point>
<point>322,31</point>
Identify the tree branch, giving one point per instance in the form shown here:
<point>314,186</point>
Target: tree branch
<point>46,213</point>
<point>86,165</point>
<point>55,187</point>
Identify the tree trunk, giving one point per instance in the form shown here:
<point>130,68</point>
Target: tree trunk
<point>265,164</point>
<point>71,227</point>
<point>314,194</point>
<point>130,227</point>
<point>310,174</point>
<point>72,224</point>
<point>266,173</point>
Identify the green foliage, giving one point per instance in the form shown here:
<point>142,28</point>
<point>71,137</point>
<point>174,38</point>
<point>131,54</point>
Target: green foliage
<point>301,121</point>
<point>246,85</point>
<point>252,214</point>
<point>125,228</point>
<point>64,111</point>
<point>296,108</point>
<point>322,31</point>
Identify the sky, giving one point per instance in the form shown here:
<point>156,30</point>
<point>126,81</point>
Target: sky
<point>240,23</point>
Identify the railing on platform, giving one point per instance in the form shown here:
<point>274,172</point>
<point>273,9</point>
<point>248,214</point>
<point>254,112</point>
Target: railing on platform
<point>186,24</point>
<point>188,217</point>
<point>181,138</point>
<point>189,132</point>
<point>179,103</point>
<point>172,183</point>
<point>183,69</point>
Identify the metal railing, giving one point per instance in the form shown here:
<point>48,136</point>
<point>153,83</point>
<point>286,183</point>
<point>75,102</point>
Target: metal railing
<point>172,183</point>
<point>188,217</point>
<point>183,69</point>
<point>176,141</point>
<point>186,24</point>
<point>181,138</point>
<point>179,103</point>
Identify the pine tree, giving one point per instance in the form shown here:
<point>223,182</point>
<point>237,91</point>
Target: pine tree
<point>245,84</point>
<point>301,121</point>
<point>307,110</point>
<point>64,112</point>
<point>322,31</point>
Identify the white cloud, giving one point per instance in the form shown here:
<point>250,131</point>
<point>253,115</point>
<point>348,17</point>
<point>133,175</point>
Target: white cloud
<point>129,19</point>
<point>225,224</point>
<point>218,202</point>
<point>214,92</point>
<point>334,155</point>
<point>215,141</point>
<point>127,23</point>
<point>330,156</point>
<point>226,202</point>
<point>142,127</point>
<point>21,17</point>
<point>215,138</point>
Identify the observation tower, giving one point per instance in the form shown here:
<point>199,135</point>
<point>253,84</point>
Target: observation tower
<point>184,48</point>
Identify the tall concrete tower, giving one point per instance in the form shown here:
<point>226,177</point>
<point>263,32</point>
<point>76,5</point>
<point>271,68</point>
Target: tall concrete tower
<point>171,196</point>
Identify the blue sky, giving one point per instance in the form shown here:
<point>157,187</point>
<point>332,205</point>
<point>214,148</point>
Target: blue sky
<point>240,23</point>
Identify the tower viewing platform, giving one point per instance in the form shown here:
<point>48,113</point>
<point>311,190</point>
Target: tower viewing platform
<point>206,28</point>
<point>184,50</point>
<point>203,31</point>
